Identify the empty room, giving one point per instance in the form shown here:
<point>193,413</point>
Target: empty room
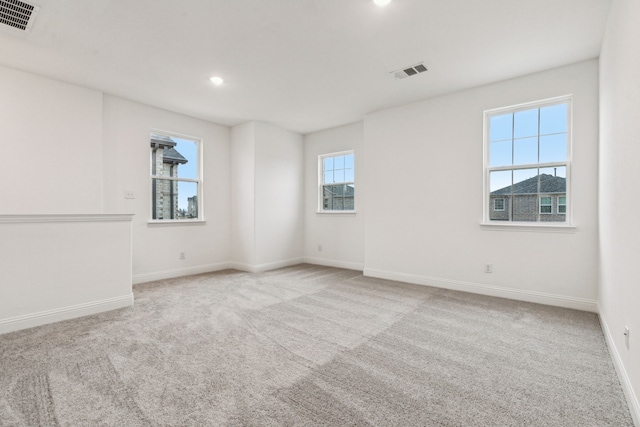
<point>320,212</point>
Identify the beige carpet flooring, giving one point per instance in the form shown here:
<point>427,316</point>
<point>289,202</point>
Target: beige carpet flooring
<point>307,346</point>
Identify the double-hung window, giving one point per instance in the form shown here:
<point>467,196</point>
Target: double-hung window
<point>528,162</point>
<point>176,183</point>
<point>336,177</point>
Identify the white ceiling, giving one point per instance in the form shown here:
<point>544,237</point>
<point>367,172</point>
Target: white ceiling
<point>304,65</point>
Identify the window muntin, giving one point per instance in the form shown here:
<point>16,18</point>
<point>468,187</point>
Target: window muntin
<point>176,184</point>
<point>527,161</point>
<point>337,177</point>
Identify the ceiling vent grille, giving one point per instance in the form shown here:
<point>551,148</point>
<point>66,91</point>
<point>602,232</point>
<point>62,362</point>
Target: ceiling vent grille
<point>17,14</point>
<point>409,71</point>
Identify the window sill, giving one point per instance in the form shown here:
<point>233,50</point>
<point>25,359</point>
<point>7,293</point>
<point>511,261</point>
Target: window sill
<point>336,212</point>
<point>175,222</point>
<point>524,226</point>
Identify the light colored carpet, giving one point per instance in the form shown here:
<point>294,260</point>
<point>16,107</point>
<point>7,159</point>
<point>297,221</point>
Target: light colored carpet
<point>311,345</point>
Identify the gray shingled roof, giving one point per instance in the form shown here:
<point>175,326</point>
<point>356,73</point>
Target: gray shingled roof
<point>162,140</point>
<point>548,184</point>
<point>170,155</point>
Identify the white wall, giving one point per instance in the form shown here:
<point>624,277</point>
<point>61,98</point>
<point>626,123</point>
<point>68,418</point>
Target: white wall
<point>619,294</point>
<point>51,146</point>
<point>423,196</point>
<point>243,194</point>
<point>267,196</point>
<point>279,194</point>
<point>54,267</point>
<point>126,159</point>
<point>340,235</point>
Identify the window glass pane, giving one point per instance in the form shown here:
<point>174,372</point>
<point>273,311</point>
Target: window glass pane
<point>553,148</point>
<point>338,175</point>
<point>187,200</point>
<point>338,162</point>
<point>500,182</point>
<point>328,177</point>
<point>553,119</point>
<point>328,163</point>
<point>174,199</point>
<point>348,161</point>
<point>500,127</point>
<point>500,153</point>
<point>500,185</point>
<point>348,175</point>
<point>525,123</point>
<point>348,204</point>
<point>553,180</point>
<point>525,195</point>
<point>186,158</point>
<point>525,151</point>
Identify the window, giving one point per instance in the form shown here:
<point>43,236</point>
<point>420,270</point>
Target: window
<point>176,185</point>
<point>562,204</point>
<point>336,177</point>
<point>546,205</point>
<point>527,162</point>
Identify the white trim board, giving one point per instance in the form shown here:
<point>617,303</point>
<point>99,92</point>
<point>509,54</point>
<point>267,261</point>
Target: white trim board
<point>629,393</point>
<point>259,268</point>
<point>334,263</point>
<point>65,313</point>
<point>495,291</point>
<point>11,219</point>
<point>179,272</point>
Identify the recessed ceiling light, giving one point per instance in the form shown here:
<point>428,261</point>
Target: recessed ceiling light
<point>382,2</point>
<point>216,80</point>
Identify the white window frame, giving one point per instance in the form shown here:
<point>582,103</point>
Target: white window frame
<point>198,180</point>
<point>494,204</point>
<point>568,99</point>
<point>321,183</point>
<point>550,204</point>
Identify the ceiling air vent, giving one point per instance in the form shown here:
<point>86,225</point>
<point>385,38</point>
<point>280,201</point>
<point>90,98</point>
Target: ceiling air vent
<point>409,71</point>
<point>17,14</point>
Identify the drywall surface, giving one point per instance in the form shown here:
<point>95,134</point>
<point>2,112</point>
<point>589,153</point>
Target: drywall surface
<point>51,145</point>
<point>279,187</point>
<point>156,248</point>
<point>619,204</point>
<point>56,267</point>
<point>424,196</point>
<point>334,239</point>
<point>243,246</point>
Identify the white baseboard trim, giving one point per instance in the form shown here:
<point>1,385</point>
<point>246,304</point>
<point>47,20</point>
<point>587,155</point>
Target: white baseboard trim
<point>335,263</point>
<point>259,268</point>
<point>179,272</point>
<point>65,313</point>
<point>496,291</point>
<point>632,398</point>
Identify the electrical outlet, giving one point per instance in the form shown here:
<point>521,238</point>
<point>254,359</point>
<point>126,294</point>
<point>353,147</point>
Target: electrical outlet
<point>319,248</point>
<point>183,255</point>
<point>129,194</point>
<point>488,268</point>
<point>626,337</point>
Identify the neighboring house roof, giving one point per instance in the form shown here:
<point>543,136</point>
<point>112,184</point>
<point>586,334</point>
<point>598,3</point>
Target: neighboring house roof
<point>548,184</point>
<point>162,141</point>
<point>170,155</point>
